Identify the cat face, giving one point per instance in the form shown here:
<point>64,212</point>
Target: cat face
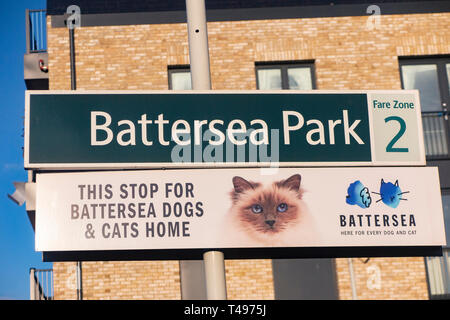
<point>267,210</point>
<point>391,194</point>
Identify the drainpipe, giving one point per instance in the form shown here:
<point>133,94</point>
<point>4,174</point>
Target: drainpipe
<point>73,80</point>
<point>73,86</point>
<point>27,27</point>
<point>352,279</point>
<point>72,22</point>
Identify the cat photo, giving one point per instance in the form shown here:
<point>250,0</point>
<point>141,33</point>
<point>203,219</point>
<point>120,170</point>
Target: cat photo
<point>272,214</point>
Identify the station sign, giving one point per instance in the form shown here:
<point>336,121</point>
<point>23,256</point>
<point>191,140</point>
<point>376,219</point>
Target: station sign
<point>239,209</point>
<point>67,130</point>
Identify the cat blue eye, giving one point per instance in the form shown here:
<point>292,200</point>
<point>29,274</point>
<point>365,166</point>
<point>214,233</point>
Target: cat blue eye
<point>282,207</point>
<point>256,208</point>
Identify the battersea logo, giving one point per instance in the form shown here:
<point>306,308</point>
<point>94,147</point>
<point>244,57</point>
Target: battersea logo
<point>389,193</point>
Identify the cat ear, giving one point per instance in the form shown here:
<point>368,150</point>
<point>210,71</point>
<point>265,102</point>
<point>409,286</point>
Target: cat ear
<point>396,183</point>
<point>293,182</point>
<point>240,184</point>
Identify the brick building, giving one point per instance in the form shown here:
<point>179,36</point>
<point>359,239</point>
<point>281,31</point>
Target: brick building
<point>260,44</point>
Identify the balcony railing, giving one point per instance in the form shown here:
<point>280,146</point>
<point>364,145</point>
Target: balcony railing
<point>36,29</point>
<point>438,275</point>
<point>436,134</point>
<point>41,284</point>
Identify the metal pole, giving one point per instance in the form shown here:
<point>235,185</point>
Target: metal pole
<point>216,288</point>
<point>198,44</point>
<point>352,279</point>
<point>201,80</point>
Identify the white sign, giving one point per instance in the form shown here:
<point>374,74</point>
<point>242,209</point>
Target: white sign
<point>237,208</point>
<point>400,138</point>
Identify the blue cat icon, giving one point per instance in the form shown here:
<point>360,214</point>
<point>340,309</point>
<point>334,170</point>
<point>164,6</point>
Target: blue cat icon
<point>390,193</point>
<point>358,194</point>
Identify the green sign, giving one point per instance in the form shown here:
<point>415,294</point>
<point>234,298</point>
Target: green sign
<point>109,129</point>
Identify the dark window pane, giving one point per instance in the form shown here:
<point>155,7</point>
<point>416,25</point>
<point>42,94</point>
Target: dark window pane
<point>424,78</point>
<point>446,207</point>
<point>448,75</point>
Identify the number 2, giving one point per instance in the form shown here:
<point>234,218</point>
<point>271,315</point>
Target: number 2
<point>390,146</point>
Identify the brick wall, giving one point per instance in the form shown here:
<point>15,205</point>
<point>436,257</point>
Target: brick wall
<point>383,278</point>
<point>249,279</point>
<point>347,55</point>
<point>65,280</point>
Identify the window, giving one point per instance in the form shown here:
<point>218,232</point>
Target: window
<point>438,268</point>
<point>179,78</point>
<point>431,76</point>
<point>285,75</point>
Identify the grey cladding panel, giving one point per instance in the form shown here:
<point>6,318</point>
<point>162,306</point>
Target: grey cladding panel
<point>304,279</point>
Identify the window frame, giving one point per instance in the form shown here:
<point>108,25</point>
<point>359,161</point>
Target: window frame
<point>284,66</point>
<point>445,266</point>
<point>444,275</point>
<point>443,81</point>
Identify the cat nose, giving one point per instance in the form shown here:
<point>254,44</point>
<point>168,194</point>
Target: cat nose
<point>270,222</point>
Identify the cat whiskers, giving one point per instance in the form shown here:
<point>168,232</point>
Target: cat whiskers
<point>265,229</point>
<point>401,194</point>
<point>379,195</point>
<point>272,229</point>
<point>397,194</point>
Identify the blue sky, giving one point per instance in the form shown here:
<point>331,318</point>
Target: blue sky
<point>17,253</point>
